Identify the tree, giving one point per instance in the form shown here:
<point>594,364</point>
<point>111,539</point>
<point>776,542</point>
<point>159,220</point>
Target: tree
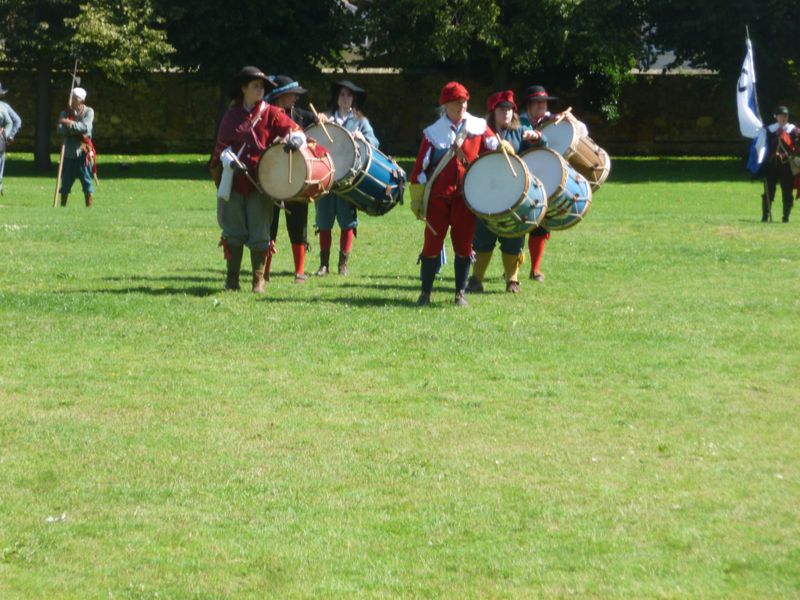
<point>711,34</point>
<point>293,38</point>
<point>580,43</point>
<point>113,37</point>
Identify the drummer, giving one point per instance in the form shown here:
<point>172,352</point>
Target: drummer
<point>536,98</point>
<point>248,127</point>
<point>347,100</point>
<point>457,138</point>
<point>285,97</point>
<point>502,117</point>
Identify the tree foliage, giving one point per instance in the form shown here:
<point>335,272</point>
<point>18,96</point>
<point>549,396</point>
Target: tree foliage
<point>711,34</point>
<point>592,43</point>
<point>288,37</point>
<point>111,36</point>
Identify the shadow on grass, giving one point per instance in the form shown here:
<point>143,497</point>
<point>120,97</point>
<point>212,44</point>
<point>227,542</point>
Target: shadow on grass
<point>164,278</point>
<point>196,291</point>
<point>376,302</point>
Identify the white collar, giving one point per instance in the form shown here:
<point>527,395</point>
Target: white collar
<point>442,133</point>
<point>789,128</point>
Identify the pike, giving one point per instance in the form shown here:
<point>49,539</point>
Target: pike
<point>75,81</point>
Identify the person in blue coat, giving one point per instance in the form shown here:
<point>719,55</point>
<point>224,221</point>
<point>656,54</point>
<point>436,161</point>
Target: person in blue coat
<point>347,101</point>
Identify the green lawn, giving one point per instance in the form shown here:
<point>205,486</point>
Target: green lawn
<point>628,429</point>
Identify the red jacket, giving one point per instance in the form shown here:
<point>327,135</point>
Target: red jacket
<point>236,129</point>
<point>436,139</point>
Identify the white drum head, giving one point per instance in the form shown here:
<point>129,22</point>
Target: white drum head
<point>562,136</point>
<point>548,166</point>
<point>342,149</point>
<point>273,173</point>
<point>490,187</point>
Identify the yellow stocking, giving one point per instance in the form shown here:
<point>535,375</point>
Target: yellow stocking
<point>482,260</point>
<point>511,265</point>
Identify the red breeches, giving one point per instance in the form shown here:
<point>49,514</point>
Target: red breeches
<point>449,212</point>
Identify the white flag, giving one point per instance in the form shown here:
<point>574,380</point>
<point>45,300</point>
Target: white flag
<point>749,119</point>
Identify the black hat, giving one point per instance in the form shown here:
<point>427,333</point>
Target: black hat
<point>359,93</point>
<point>537,92</point>
<point>246,75</point>
<point>781,110</point>
<point>285,85</point>
<point>3,91</point>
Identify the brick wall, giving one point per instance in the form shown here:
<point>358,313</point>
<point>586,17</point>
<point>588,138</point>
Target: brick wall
<point>168,112</point>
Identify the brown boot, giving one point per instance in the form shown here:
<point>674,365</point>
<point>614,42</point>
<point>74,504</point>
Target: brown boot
<point>88,198</point>
<point>234,267</point>
<point>64,199</point>
<point>343,262</point>
<point>324,258</point>
<point>258,259</point>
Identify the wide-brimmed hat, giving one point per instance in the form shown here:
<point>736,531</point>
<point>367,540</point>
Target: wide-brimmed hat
<point>781,110</point>
<point>285,85</point>
<point>537,92</point>
<point>3,91</point>
<point>453,91</point>
<point>504,99</point>
<point>246,75</point>
<point>359,93</point>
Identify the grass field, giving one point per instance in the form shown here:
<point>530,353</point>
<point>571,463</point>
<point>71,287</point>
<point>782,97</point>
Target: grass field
<point>628,429</point>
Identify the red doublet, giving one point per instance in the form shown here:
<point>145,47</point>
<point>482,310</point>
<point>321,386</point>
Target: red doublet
<point>237,129</point>
<point>446,206</point>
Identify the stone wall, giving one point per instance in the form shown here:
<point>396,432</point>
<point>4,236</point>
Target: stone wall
<point>168,112</point>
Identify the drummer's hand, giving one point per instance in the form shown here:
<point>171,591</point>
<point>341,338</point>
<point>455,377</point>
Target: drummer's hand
<point>65,122</point>
<point>291,144</point>
<point>322,118</point>
<point>505,145</point>
<point>532,135</point>
<point>359,136</point>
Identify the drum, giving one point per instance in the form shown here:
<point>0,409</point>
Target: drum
<point>569,193</point>
<point>585,156</point>
<point>301,175</point>
<point>600,173</point>
<point>378,186</point>
<point>509,206</point>
<point>343,149</point>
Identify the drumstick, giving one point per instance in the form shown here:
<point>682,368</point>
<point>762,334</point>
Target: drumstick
<point>321,124</point>
<point>563,115</point>
<point>429,226</point>
<point>290,166</point>
<point>505,153</point>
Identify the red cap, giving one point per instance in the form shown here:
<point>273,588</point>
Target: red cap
<point>453,91</point>
<point>505,98</point>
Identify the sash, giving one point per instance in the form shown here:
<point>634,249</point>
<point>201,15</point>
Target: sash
<point>451,152</point>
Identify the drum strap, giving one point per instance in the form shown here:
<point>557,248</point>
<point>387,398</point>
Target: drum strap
<point>451,152</point>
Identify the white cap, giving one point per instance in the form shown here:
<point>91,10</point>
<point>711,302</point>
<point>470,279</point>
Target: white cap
<point>79,93</point>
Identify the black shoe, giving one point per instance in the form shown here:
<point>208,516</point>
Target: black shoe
<point>424,299</point>
<point>474,286</point>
